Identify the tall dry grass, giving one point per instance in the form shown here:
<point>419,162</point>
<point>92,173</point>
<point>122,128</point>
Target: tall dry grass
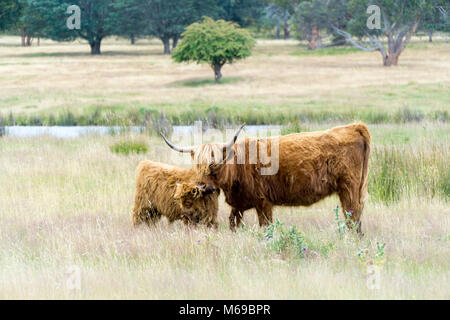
<point>67,203</point>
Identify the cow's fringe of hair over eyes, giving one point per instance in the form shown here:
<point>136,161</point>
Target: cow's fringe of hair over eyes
<point>208,154</point>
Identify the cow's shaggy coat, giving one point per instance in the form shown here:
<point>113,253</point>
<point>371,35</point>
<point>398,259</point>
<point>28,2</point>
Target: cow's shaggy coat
<point>173,192</point>
<point>312,166</point>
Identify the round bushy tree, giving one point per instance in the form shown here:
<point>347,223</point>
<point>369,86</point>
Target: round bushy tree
<point>214,42</point>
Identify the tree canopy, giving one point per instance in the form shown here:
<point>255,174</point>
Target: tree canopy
<point>243,12</point>
<point>311,17</point>
<point>10,13</point>
<point>214,42</point>
<point>97,20</point>
<point>398,21</point>
<point>167,19</point>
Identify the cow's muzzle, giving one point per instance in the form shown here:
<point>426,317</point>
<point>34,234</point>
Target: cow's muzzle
<point>210,189</point>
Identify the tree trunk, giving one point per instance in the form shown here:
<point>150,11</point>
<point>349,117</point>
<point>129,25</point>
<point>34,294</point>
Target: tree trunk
<point>23,37</point>
<point>395,58</point>
<point>278,28</point>
<point>391,58</point>
<point>132,39</point>
<point>95,46</point>
<point>287,31</point>
<point>387,61</point>
<point>286,28</point>
<point>313,38</point>
<point>39,41</point>
<point>166,42</point>
<point>217,72</point>
<point>430,36</point>
<point>175,42</point>
<point>28,40</point>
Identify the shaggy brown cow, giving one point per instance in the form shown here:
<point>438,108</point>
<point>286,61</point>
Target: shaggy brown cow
<point>173,192</point>
<point>311,166</point>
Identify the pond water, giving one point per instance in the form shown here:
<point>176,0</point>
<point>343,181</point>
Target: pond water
<point>77,131</point>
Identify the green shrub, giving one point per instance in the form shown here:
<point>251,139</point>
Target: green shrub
<point>128,147</point>
<point>285,241</point>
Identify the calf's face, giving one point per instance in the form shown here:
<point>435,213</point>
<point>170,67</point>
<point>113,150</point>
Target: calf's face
<point>198,202</point>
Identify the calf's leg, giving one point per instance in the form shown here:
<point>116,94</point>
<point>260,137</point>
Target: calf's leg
<point>145,215</point>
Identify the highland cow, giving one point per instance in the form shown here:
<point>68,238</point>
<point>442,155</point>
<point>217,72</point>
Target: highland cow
<point>311,166</point>
<point>172,192</point>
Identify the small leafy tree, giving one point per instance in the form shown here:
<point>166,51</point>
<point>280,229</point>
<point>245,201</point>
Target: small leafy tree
<point>214,42</point>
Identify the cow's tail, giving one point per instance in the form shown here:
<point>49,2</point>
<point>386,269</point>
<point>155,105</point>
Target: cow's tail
<point>364,131</point>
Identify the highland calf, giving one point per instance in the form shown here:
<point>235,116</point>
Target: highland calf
<point>173,192</point>
<point>311,166</point>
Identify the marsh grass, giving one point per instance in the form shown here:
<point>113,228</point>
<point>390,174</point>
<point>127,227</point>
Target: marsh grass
<point>271,87</point>
<point>225,115</point>
<point>127,147</point>
<point>409,171</point>
<point>68,202</point>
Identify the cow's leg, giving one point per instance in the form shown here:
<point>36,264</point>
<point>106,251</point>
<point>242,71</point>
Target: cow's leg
<point>349,196</point>
<point>264,214</point>
<point>239,216</point>
<point>235,219</point>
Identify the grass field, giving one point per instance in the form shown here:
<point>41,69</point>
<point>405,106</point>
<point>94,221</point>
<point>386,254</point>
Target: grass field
<point>281,83</point>
<point>66,203</point>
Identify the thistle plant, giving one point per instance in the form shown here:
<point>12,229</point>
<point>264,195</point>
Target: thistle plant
<point>285,240</point>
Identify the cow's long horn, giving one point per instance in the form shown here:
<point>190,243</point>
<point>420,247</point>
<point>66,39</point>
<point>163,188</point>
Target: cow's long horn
<point>176,148</point>
<point>232,141</point>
